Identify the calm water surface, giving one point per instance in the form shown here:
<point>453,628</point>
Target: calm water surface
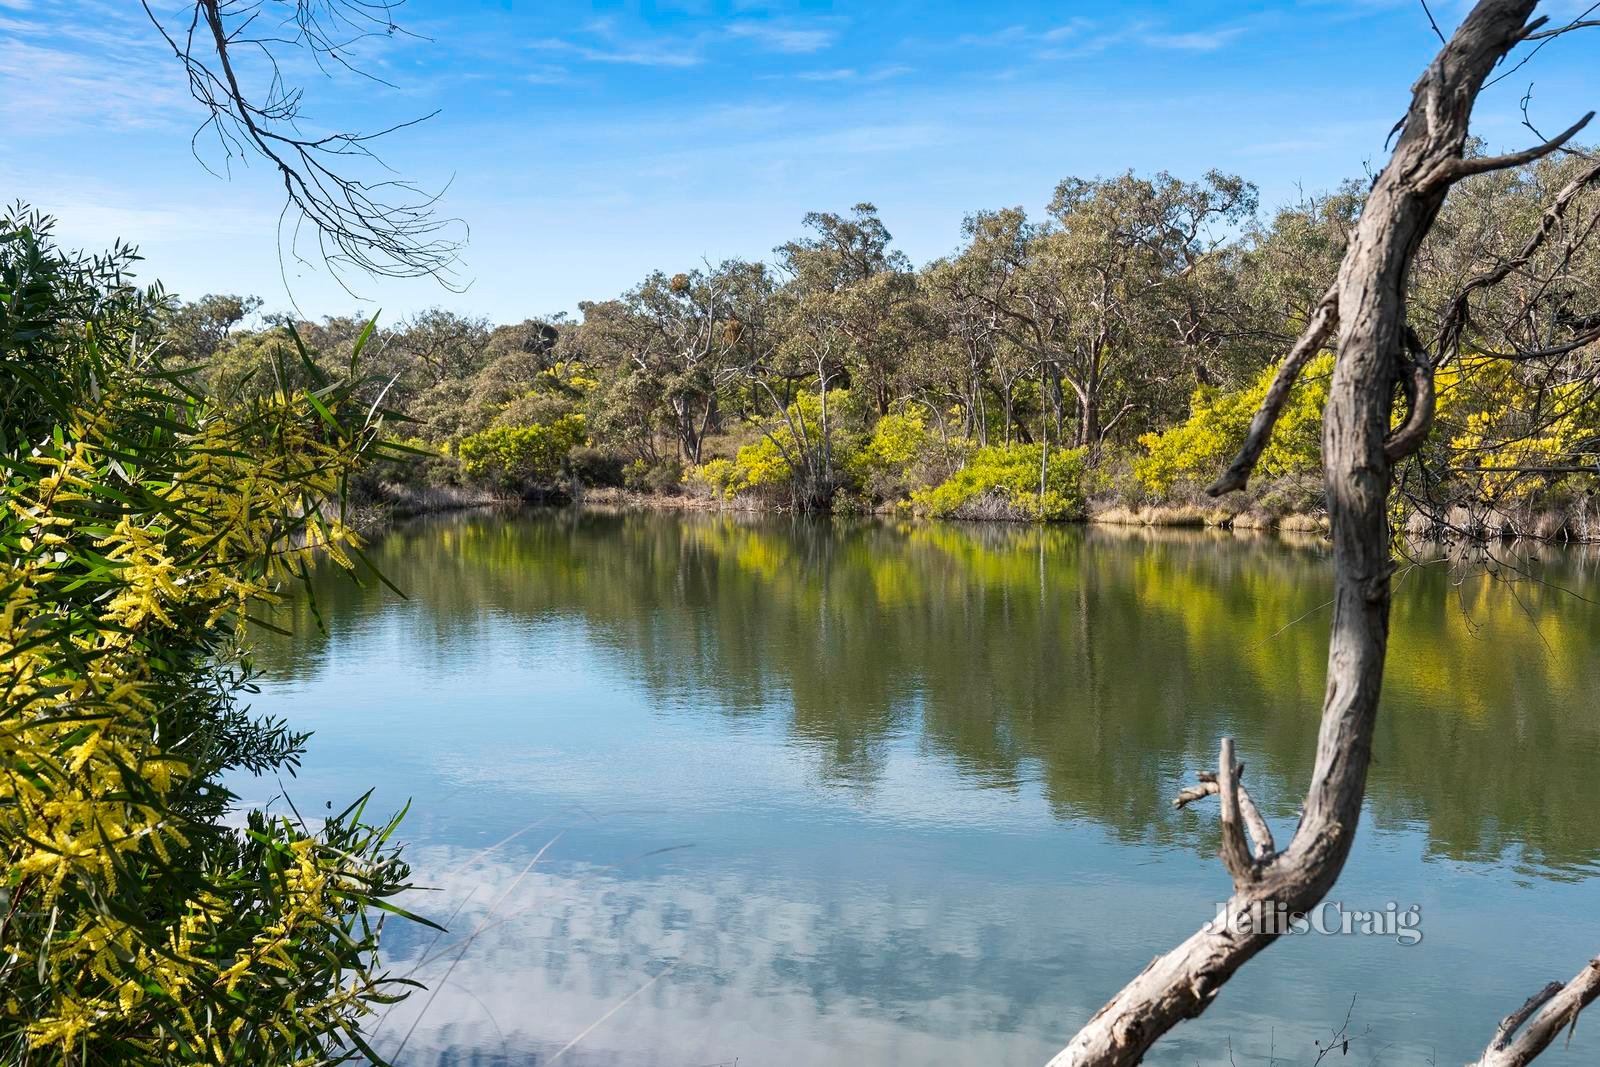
<point>857,793</point>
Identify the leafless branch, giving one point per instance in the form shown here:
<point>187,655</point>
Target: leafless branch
<point>1324,320</point>
<point>1260,833</point>
<point>1465,168</point>
<point>1530,1029</point>
<point>381,226</point>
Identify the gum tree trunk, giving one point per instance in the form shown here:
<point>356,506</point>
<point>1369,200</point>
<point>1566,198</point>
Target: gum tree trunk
<point>1359,453</point>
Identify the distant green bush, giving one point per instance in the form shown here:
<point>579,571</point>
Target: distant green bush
<point>663,477</point>
<point>595,467</point>
<point>884,463</point>
<point>521,457</point>
<point>1002,481</point>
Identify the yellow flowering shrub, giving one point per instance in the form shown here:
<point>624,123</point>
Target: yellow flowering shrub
<point>1002,482</point>
<point>140,526</point>
<point>1504,431</point>
<point>1199,448</point>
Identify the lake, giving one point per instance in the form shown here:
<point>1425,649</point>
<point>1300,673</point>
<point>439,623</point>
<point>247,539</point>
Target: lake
<point>704,789</point>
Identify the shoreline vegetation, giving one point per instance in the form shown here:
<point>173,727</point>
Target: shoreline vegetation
<point>1551,528</point>
<point>1101,363</point>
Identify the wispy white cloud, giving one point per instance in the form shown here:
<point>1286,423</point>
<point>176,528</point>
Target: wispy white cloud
<point>1193,41</point>
<point>995,38</point>
<point>841,74</point>
<point>1085,36</point>
<point>783,38</point>
<point>547,74</point>
<point>885,73</point>
<point>47,85</point>
<point>607,43</point>
<point>638,55</point>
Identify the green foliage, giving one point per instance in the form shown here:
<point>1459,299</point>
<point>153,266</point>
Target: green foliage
<point>662,477</point>
<point>884,462</point>
<point>796,442</point>
<point>1002,481</point>
<point>1089,323</point>
<point>1199,448</point>
<point>142,525</point>
<point>596,467</point>
<point>522,457</point>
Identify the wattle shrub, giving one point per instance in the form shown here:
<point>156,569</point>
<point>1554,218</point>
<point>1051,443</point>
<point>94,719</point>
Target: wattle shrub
<point>1002,482</point>
<point>522,457</point>
<point>1200,448</point>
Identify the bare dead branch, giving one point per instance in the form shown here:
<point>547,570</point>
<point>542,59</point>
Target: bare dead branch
<point>1579,24</point>
<point>1465,168</point>
<point>1529,1030</point>
<point>1235,852</point>
<point>1324,320</point>
<point>380,226</point>
<point>1260,834</point>
<point>1189,794</point>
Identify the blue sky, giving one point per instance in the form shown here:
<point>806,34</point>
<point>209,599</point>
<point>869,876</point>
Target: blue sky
<point>587,144</point>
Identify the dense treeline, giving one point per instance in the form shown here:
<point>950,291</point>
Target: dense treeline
<point>1108,355</point>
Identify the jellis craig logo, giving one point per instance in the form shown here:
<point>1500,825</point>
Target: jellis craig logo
<point>1329,918</point>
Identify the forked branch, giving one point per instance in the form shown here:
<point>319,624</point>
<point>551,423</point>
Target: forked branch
<point>1262,848</point>
<point>381,226</point>
<point>1530,1029</point>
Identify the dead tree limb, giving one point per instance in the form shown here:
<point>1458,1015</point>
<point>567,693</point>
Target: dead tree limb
<point>1466,168</point>
<point>379,225</point>
<point>1260,833</point>
<point>1530,1029</point>
<point>1370,298</point>
<point>1324,320</point>
<point>1235,851</point>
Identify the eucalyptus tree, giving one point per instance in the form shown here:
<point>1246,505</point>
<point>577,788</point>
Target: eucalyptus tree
<point>1010,323</point>
<point>1133,266</point>
<point>955,361</point>
<point>673,344</point>
<point>194,331</point>
<point>1287,262</point>
<point>799,359</point>
<point>871,291</point>
<point>436,345</point>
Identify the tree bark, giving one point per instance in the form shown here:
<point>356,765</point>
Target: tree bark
<point>1532,1028</point>
<point>1370,304</point>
